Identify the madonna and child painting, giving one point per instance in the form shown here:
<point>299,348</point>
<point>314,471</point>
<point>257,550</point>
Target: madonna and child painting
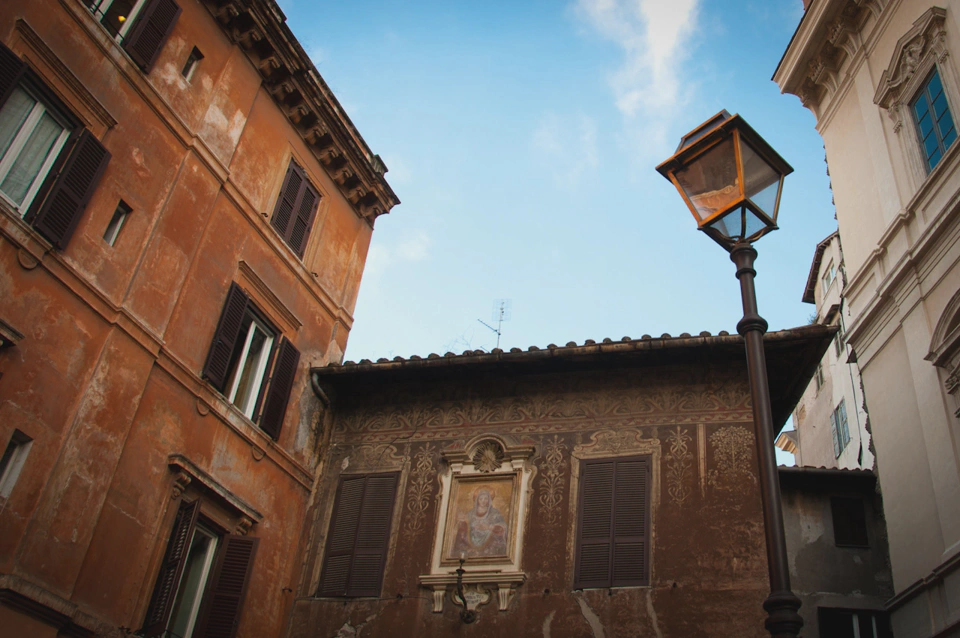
<point>478,521</point>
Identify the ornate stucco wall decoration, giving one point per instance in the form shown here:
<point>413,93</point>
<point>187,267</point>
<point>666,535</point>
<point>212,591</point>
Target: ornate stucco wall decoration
<point>678,461</point>
<point>731,448</point>
<point>484,506</point>
<point>551,483</point>
<point>422,478</point>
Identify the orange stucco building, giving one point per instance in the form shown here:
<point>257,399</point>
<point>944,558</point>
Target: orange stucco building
<point>185,211</point>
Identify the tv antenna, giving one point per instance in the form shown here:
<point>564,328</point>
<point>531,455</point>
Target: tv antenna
<point>501,313</point>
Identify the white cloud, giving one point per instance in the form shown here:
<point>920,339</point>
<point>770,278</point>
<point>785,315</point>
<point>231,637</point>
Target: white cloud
<point>411,248</point>
<point>568,146</point>
<point>654,38</point>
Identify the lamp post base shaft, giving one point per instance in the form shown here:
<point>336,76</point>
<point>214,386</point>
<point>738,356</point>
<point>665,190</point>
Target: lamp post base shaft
<point>782,605</point>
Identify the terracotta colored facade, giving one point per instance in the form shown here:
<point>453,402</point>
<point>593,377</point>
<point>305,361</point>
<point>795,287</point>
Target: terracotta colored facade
<point>108,344</point>
<point>679,405</point>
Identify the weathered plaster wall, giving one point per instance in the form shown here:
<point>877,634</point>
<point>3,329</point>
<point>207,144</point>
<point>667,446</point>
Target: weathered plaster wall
<point>708,564</point>
<point>106,380</point>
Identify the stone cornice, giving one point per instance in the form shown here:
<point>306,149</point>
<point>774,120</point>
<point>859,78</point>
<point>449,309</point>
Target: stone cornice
<point>259,28</point>
<point>828,35</point>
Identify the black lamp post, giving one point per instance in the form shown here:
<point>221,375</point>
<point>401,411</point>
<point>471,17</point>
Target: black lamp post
<point>731,179</point>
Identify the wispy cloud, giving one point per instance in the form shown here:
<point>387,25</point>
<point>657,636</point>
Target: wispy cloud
<point>654,38</point>
<point>568,146</point>
<point>412,247</point>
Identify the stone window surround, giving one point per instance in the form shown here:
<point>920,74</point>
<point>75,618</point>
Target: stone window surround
<point>918,52</point>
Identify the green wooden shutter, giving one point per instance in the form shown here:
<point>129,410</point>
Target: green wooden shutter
<point>227,587</point>
<point>217,366</point>
<point>281,383</point>
<point>147,37</point>
<point>68,197</point>
<point>165,589</point>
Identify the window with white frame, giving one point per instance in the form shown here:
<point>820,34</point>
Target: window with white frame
<point>839,428</point>
<point>818,376</point>
<point>829,274</point>
<point>141,27</point>
<point>117,16</point>
<point>14,456</point>
<point>250,362</point>
<point>32,134</point>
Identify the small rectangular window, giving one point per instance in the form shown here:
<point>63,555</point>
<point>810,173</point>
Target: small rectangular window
<point>819,377</point>
<point>931,114</point>
<point>829,274</point>
<point>839,428</point>
<point>853,623</point>
<point>191,65</point>
<point>14,456</point>
<point>116,223</point>
<point>838,344</point>
<point>849,522</point>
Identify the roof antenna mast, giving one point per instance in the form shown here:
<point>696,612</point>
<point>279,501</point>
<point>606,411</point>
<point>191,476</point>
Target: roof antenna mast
<point>501,313</point>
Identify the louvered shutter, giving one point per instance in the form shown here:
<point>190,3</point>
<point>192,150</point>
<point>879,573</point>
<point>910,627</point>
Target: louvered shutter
<point>165,589</point>
<point>359,536</point>
<point>284,373</point>
<point>12,69</point>
<point>228,586</point>
<point>153,27</point>
<point>286,203</point>
<point>836,434</point>
<point>71,191</point>
<point>630,523</point>
<point>225,338</point>
<point>303,221</point>
<point>613,537</point>
<point>594,548</point>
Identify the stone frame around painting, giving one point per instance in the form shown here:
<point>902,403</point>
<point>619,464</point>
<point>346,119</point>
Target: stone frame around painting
<point>457,515</point>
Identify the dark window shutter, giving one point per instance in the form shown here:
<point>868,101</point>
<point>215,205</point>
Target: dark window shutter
<point>153,27</point>
<point>68,197</point>
<point>613,537</point>
<point>630,523</point>
<point>849,522</point>
<point>165,589</point>
<point>12,69</point>
<point>306,209</point>
<point>225,338</point>
<point>594,550</point>
<point>359,536</point>
<point>289,193</point>
<point>284,372</point>
<point>228,585</point>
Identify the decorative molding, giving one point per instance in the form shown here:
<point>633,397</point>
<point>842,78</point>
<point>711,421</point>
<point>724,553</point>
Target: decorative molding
<point>421,481</point>
<point>732,452</point>
<point>617,443</point>
<point>488,456</point>
<point>302,95</point>
<point>678,461</point>
<point>506,584</point>
<point>551,485</point>
<point>77,88</point>
<point>185,473</point>
<point>922,46</point>
<point>264,292</point>
<point>376,457</point>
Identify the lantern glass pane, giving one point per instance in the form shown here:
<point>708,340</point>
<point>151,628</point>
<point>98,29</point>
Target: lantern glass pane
<point>761,181</point>
<point>751,223</point>
<point>710,181</point>
<point>728,225</point>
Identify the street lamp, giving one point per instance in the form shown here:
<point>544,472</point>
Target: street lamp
<point>731,180</point>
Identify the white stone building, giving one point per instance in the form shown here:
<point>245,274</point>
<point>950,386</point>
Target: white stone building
<point>882,79</point>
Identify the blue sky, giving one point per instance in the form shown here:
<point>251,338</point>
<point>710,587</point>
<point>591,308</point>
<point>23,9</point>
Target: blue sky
<point>522,138</point>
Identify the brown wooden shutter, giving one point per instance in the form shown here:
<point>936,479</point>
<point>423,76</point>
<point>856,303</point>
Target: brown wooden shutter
<point>12,69</point>
<point>630,523</point>
<point>283,214</point>
<point>57,218</point>
<point>153,27</point>
<point>594,547</point>
<point>227,587</point>
<point>359,536</point>
<point>284,373</point>
<point>164,591</point>
<point>225,338</point>
<point>613,538</point>
<point>306,210</point>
